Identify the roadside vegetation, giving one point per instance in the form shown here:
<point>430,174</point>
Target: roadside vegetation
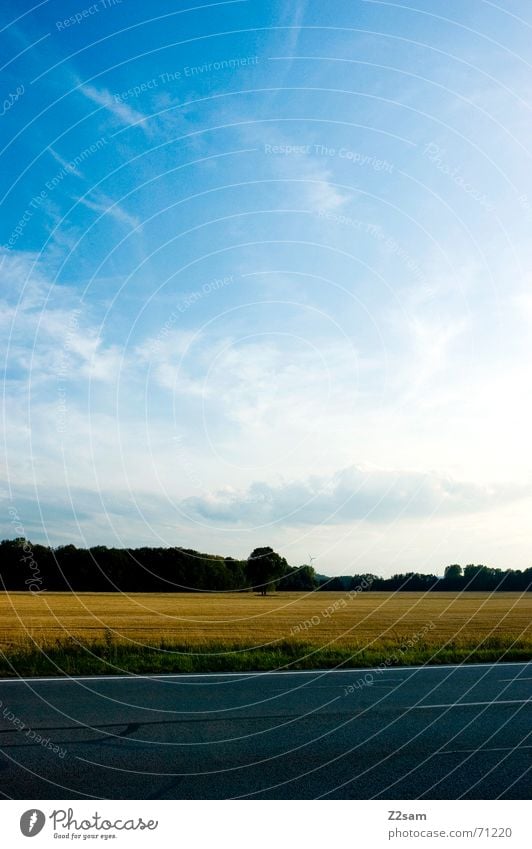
<point>101,657</point>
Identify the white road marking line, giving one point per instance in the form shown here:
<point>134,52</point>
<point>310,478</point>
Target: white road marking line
<point>481,749</point>
<point>246,675</point>
<point>514,679</point>
<point>366,686</point>
<point>476,704</point>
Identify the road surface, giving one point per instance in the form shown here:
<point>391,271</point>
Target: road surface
<point>418,732</point>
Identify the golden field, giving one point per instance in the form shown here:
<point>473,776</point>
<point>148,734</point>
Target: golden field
<point>340,619</point>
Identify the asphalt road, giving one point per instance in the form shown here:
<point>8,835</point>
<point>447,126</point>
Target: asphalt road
<point>434,733</point>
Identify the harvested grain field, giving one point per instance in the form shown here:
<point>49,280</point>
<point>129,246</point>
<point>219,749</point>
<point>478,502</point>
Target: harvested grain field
<point>342,619</point>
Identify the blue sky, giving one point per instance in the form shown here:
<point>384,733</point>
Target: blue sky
<point>266,278</point>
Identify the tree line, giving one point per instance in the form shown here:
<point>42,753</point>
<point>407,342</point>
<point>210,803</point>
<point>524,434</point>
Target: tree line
<point>473,577</point>
<point>25,566</point>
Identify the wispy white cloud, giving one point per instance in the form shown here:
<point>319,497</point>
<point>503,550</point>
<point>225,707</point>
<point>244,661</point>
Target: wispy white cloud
<point>47,334</point>
<point>351,494</point>
<point>293,17</point>
<point>66,166</point>
<point>105,204</point>
<point>121,112</point>
<point>322,194</point>
<point>290,21</point>
<point>166,356</point>
<point>313,182</point>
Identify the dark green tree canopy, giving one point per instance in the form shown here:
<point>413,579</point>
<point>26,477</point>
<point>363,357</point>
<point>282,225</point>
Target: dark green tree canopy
<point>303,578</point>
<point>264,568</point>
<point>33,567</point>
<point>453,572</point>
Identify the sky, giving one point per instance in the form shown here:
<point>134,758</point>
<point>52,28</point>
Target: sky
<point>265,278</point>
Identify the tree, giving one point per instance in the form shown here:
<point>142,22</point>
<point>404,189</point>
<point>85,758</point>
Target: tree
<point>302,578</point>
<point>264,568</point>
<point>483,577</point>
<point>453,572</point>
